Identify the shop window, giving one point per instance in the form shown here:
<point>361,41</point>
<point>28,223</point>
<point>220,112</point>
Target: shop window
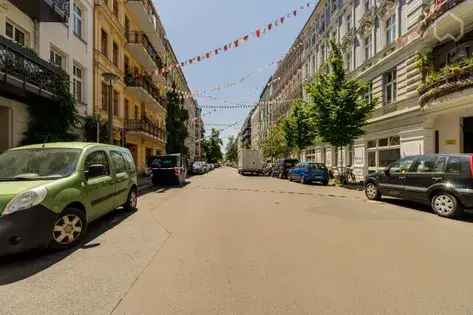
<point>372,159</point>
<point>387,157</point>
<point>396,140</point>
<point>371,144</point>
<point>383,142</point>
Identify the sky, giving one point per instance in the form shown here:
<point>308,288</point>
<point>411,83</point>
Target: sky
<point>196,26</point>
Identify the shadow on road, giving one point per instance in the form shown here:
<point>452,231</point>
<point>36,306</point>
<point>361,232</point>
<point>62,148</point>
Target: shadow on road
<point>160,189</point>
<point>411,205</point>
<point>21,266</point>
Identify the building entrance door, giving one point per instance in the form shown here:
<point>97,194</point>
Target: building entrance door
<point>5,129</point>
<point>468,135</point>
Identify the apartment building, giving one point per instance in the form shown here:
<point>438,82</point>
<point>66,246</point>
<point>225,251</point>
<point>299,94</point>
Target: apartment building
<point>129,48</point>
<point>416,112</point>
<point>42,42</point>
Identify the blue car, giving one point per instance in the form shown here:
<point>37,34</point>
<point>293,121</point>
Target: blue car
<point>308,172</point>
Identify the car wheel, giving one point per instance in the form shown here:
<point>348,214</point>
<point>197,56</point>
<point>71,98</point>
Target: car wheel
<point>446,205</point>
<point>69,229</point>
<point>372,191</point>
<point>132,201</point>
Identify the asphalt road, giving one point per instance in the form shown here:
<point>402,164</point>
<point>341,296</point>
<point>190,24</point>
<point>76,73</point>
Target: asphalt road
<point>227,244</point>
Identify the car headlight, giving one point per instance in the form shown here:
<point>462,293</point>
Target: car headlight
<point>26,200</point>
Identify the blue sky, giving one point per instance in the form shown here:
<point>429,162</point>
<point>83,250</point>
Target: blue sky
<point>194,27</point>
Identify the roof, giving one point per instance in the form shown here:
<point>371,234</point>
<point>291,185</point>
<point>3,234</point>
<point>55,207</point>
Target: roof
<point>68,145</point>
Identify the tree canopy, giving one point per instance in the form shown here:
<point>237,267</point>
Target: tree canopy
<point>212,147</point>
<point>176,129</point>
<point>275,143</point>
<point>231,150</point>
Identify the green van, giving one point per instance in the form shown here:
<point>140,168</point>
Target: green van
<point>50,192</point>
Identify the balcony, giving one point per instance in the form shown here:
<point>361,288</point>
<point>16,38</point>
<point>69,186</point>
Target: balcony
<point>144,126</point>
<point>142,50</point>
<point>439,26</point>
<point>147,19</point>
<point>451,79</point>
<point>142,87</point>
<point>45,10</point>
<point>23,74</point>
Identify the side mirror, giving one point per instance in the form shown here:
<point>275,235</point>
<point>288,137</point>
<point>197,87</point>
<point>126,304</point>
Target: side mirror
<point>95,170</point>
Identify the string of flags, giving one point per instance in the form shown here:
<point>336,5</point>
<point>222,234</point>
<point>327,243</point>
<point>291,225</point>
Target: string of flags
<point>238,42</point>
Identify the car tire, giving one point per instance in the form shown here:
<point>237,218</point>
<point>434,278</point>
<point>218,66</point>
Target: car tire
<point>132,200</point>
<point>446,205</point>
<point>372,191</point>
<point>69,229</point>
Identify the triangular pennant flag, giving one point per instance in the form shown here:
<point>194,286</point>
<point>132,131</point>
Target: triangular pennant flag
<point>236,43</point>
<point>258,33</point>
<point>270,26</point>
<point>294,12</point>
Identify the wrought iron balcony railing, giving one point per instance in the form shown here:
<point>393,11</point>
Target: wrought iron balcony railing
<point>146,126</point>
<point>436,10</point>
<point>22,68</point>
<point>142,39</point>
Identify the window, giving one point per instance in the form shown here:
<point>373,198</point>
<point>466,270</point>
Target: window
<point>116,103</point>
<point>390,86</point>
<point>386,157</point>
<point>369,92</point>
<point>396,140</point>
<point>348,22</point>
<point>137,112</point>
<point>371,144</point>
<point>403,165</point>
<point>127,109</point>
<point>126,64</point>
<point>368,47</point>
<point>118,162</point>
<point>383,142</point>
<point>115,54</point>
<point>98,157</point>
<point>13,33</point>
<point>115,7</point>
<point>372,159</point>
<point>57,58</point>
<point>77,83</point>
<point>425,164</point>
<point>104,43</point>
<point>105,88</point>
<point>348,60</point>
<point>390,29</point>
<point>454,165</point>
<point>367,5</point>
<point>77,20</point>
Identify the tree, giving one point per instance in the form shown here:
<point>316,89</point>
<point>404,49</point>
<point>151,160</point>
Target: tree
<point>275,144</point>
<point>339,106</point>
<point>231,151</point>
<point>176,129</point>
<point>299,128</point>
<point>212,147</point>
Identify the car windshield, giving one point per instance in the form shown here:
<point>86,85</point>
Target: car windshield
<point>316,166</point>
<point>36,164</point>
<point>164,162</point>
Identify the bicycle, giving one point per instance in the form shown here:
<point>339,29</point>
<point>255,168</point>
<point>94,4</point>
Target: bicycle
<point>346,176</point>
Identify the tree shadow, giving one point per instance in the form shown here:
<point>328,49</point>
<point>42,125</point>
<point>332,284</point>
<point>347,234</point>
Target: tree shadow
<point>412,205</point>
<point>160,189</point>
<point>22,266</point>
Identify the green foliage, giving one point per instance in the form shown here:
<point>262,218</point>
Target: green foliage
<point>53,121</point>
<point>275,144</point>
<point>338,106</point>
<point>212,147</point>
<point>299,128</point>
<point>424,62</point>
<point>231,150</point>
<point>90,129</point>
<point>176,129</point>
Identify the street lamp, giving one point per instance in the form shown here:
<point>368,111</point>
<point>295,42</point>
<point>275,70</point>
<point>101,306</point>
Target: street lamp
<point>110,78</point>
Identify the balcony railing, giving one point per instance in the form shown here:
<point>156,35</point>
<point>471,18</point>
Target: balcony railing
<point>45,10</point>
<point>144,125</point>
<point>437,9</point>
<point>22,68</point>
<point>144,82</point>
<point>142,39</point>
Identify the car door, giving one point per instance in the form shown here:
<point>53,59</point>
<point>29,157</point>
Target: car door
<point>392,183</point>
<point>121,178</point>
<point>428,170</point>
<point>99,189</point>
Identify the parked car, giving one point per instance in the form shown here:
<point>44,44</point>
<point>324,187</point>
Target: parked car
<point>169,169</point>
<point>308,173</point>
<point>198,168</point>
<point>49,193</point>
<point>443,181</point>
<point>282,167</point>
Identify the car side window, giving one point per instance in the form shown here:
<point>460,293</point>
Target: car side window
<point>403,166</point>
<point>118,161</point>
<point>454,165</point>
<point>98,157</point>
<point>425,164</point>
<point>129,159</point>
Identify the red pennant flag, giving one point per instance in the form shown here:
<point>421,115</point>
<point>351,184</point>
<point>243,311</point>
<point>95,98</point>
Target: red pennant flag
<point>258,33</point>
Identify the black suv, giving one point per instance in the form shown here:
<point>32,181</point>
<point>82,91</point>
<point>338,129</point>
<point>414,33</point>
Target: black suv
<point>282,167</point>
<point>443,181</point>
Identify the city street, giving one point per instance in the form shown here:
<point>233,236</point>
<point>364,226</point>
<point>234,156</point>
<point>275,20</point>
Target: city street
<point>227,244</point>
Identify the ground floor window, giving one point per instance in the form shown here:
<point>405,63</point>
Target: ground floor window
<point>382,152</point>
